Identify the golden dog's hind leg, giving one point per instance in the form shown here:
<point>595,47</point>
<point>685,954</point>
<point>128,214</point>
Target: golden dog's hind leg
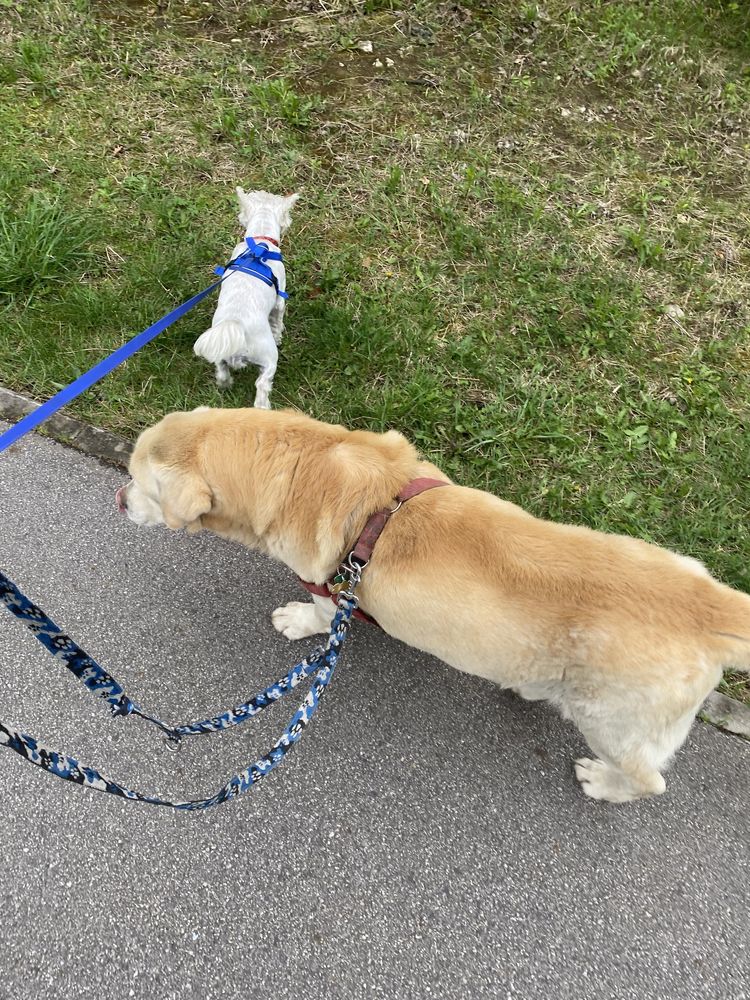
<point>632,748</point>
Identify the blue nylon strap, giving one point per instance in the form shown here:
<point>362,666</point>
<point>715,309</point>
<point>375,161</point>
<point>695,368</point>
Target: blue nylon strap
<point>252,262</point>
<point>93,375</point>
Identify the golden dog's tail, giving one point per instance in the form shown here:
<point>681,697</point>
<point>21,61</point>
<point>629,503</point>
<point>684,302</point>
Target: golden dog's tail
<point>731,627</point>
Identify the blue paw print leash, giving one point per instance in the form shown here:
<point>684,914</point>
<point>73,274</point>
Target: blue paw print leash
<point>100,683</point>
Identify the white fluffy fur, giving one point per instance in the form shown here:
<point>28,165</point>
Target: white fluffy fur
<point>249,318</point>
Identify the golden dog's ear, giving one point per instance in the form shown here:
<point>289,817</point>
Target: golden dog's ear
<point>184,498</point>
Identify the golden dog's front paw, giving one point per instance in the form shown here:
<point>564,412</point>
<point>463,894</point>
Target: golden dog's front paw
<point>297,620</point>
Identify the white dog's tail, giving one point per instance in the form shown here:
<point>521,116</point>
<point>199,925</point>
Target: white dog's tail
<point>221,342</point>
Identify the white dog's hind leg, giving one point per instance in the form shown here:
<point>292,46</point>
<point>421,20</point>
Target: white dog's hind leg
<point>263,384</point>
<point>276,319</point>
<point>224,378</point>
<point>297,620</point>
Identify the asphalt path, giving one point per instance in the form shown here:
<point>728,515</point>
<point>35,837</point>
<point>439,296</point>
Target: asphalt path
<point>426,839</point>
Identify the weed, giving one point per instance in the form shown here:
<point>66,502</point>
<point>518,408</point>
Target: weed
<point>42,242</point>
<point>277,99</point>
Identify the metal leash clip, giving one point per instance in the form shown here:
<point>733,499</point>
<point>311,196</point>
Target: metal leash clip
<point>173,743</point>
<point>347,578</point>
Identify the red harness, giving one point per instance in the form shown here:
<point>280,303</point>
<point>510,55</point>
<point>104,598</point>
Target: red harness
<point>268,239</point>
<point>365,544</point>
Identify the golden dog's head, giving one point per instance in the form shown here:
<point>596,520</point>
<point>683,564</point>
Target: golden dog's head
<point>167,485</point>
<point>276,480</point>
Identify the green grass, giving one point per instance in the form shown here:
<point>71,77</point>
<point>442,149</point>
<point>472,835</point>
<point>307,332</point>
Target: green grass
<point>41,243</point>
<point>525,243</point>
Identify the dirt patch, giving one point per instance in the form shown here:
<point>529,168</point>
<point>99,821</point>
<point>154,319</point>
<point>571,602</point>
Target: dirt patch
<point>191,18</point>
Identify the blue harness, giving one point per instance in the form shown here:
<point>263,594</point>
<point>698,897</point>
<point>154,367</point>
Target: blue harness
<point>253,261</point>
<point>101,684</point>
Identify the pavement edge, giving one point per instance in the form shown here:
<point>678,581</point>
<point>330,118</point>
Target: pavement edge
<point>94,441</point>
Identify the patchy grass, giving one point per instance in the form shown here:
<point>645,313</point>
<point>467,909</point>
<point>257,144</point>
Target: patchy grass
<point>523,237</point>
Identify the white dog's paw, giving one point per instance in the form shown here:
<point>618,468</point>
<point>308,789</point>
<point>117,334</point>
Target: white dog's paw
<point>297,620</point>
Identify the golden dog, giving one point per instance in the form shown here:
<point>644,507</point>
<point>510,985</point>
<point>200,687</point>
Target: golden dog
<point>625,638</point>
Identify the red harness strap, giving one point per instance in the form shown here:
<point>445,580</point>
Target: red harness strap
<point>268,239</point>
<point>365,544</point>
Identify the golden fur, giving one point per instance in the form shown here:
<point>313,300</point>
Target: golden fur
<point>625,638</point>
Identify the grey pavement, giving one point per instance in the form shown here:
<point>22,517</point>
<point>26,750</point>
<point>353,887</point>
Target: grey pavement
<point>426,839</point>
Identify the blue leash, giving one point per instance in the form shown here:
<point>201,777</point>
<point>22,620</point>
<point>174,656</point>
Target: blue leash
<point>322,661</point>
<point>252,261</point>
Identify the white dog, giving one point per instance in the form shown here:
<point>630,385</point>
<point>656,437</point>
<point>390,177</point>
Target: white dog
<point>249,318</point>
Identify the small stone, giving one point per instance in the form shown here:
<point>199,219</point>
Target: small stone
<point>565,112</point>
<point>365,46</point>
<point>378,64</point>
<point>675,313</point>
<point>727,713</point>
<point>389,62</point>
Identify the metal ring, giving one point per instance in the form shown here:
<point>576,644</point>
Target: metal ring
<point>354,567</point>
